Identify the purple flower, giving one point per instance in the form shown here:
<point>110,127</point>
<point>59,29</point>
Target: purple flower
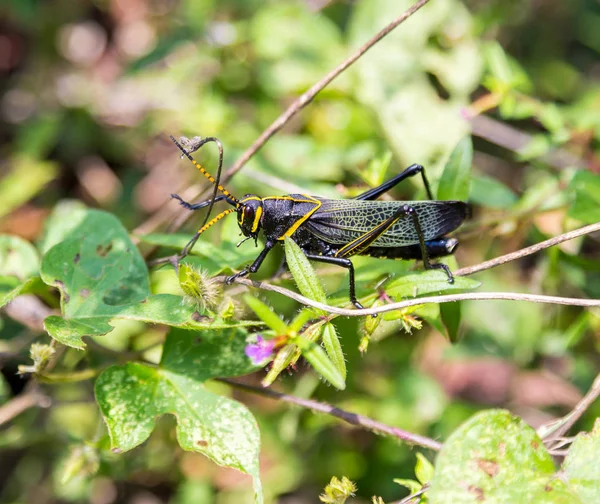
<point>260,351</point>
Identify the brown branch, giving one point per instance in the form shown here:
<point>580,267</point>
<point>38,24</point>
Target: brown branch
<point>22,403</point>
<point>469,270</point>
<point>346,416</point>
<point>504,135</point>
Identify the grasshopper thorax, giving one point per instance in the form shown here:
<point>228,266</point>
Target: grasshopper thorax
<point>250,212</point>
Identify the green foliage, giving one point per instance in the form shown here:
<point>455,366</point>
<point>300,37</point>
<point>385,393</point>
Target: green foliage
<point>499,102</point>
<point>455,182</point>
<point>132,396</point>
<point>492,456</point>
<point>580,465</point>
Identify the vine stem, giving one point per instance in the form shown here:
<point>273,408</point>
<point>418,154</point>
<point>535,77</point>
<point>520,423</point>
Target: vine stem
<point>466,296</point>
<point>351,418</point>
<point>511,296</point>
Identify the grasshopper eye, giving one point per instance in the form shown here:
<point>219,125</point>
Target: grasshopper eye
<point>249,215</point>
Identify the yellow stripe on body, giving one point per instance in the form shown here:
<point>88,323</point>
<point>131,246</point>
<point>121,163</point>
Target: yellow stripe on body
<point>257,217</point>
<point>292,229</point>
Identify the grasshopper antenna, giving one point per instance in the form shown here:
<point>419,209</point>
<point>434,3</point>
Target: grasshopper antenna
<point>216,183</point>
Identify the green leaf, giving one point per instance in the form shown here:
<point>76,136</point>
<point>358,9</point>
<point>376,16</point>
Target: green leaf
<point>333,347</point>
<point>18,257</point>
<point>493,457</point>
<point>581,465</point>
<point>11,287</point>
<point>101,276</point>
<point>451,313</point>
<point>318,359</point>
<point>412,485</point>
<point>303,273</point>
<point>585,188</point>
<point>428,282</point>
<point>266,314</point>
<point>132,396</point>
<point>491,193</point>
<point>66,216</point>
<point>19,263</point>
<point>455,182</point>
<point>423,469</point>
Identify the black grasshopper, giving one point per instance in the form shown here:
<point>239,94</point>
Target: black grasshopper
<point>331,231</point>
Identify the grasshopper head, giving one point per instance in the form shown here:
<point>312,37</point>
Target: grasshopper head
<point>249,213</point>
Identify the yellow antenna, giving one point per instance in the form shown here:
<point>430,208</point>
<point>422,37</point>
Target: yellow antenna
<point>214,220</point>
<point>206,174</point>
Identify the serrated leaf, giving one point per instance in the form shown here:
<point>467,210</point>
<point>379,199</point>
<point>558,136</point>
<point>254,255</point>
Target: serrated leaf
<point>455,182</point>
<point>303,273</point>
<point>428,282</point>
<point>494,457</point>
<point>581,465</point>
<point>132,396</point>
<point>266,314</point>
<point>333,347</point>
<point>321,363</point>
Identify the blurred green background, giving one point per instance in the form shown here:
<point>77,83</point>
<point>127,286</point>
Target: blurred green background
<point>91,90</point>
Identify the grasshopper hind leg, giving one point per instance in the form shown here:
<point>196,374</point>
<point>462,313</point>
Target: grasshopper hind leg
<point>344,263</point>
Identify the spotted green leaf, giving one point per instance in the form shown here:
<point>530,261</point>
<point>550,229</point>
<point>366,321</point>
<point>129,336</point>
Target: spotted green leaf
<point>101,276</point>
<point>493,457</point>
<point>581,465</point>
<point>132,396</point>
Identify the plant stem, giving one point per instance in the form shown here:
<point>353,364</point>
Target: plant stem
<point>351,418</point>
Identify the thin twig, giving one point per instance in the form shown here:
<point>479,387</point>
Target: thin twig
<point>469,270</point>
<point>304,99</point>
<point>409,498</point>
<point>510,138</point>
<point>566,422</point>
<point>22,403</point>
<point>307,97</point>
<point>351,418</point>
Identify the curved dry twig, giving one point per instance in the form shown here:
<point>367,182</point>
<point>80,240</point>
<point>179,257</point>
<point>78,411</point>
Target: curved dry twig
<point>351,418</point>
<point>447,298</point>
